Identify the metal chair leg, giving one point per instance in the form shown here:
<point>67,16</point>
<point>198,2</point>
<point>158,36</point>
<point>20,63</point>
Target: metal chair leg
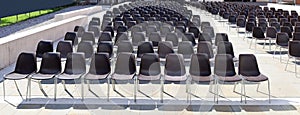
<point>64,84</point>
<point>134,93</point>
<point>113,84</point>
<point>82,89</point>
<point>257,87</point>
<point>4,90</point>
<point>108,89</point>
<point>269,91</point>
<point>245,92</point>
<point>287,63</point>
<point>161,91</point>
<point>55,88</point>
<point>296,67</point>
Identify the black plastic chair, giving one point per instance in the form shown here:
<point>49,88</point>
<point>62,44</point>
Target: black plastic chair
<point>224,71</point>
<point>64,47</point>
<point>105,36</point>
<point>282,40</point>
<point>105,47</point>
<point>72,36</point>
<point>258,34</point>
<point>25,66</point>
<point>149,69</point>
<point>144,47</point>
<point>49,68</point>
<point>87,48</point>
<point>75,68</point>
<point>248,69</point>
<point>164,48</point>
<point>43,47</point>
<point>287,30</point>
<point>186,49</point>
<point>125,69</point>
<point>200,71</point>
<point>174,71</point>
<point>100,69</point>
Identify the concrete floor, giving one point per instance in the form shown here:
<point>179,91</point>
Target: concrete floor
<point>285,95</point>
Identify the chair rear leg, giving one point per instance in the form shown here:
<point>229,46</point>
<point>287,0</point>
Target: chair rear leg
<point>3,90</point>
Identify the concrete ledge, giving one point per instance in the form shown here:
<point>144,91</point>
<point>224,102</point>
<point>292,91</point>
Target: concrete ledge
<point>12,45</point>
<point>85,11</point>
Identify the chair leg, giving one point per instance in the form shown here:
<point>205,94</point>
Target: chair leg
<point>113,84</point>
<point>108,89</point>
<point>82,89</point>
<point>269,91</point>
<point>89,85</point>
<point>245,92</point>
<point>280,53</point>
<point>287,62</point>
<point>134,89</point>
<point>55,88</point>
<point>296,67</point>
<point>255,45</point>
<point>242,91</point>
<point>161,91</point>
<point>29,88</point>
<point>264,44</point>
<point>64,84</point>
<point>217,91</point>
<point>274,51</point>
<point>270,44</point>
<point>234,86</point>
<point>3,90</point>
<point>250,43</point>
<point>257,87</point>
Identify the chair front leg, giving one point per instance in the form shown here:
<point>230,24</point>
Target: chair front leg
<point>55,88</point>
<point>108,89</point>
<point>3,89</point>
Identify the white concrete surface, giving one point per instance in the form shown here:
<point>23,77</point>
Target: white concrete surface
<point>85,11</point>
<point>12,45</point>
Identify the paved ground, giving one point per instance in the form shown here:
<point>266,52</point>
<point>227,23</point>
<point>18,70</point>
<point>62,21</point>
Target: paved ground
<point>284,91</point>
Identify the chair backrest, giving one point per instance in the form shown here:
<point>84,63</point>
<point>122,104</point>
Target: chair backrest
<point>43,47</point>
<point>125,46</point>
<point>241,22</point>
<point>95,29</point>
<point>50,64</point>
<point>294,48</point>
<point>221,37</point>
<point>249,26</point>
<point>282,39</point>
<point>105,36</point>
<point>26,63</point>
<point>258,33</point>
<point>100,64</point>
<point>271,32</point>
<point>138,37</point>
<point>186,49</point>
<point>287,30</point>
<point>195,31</point>
<point>276,25</point>
<point>86,47</point>
<point>155,38</point>
<point>225,47</point>
<point>75,64</point>
<point>200,65</point>
<point>144,47</point>
<point>224,65</point>
<point>125,64</point>
<point>248,65</point>
<point>122,36</point>
<point>64,47</point>
<point>150,65</point>
<point>173,38</point>
<point>206,48</point>
<point>165,48</point>
<point>80,30</point>
<point>209,30</point>
<point>88,36</point>
<point>189,37</point>
<point>288,24</point>
<point>174,65</point>
<point>105,47</point>
<point>72,36</point>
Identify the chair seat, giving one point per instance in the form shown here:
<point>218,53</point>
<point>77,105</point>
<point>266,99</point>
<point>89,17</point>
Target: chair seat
<point>229,78</point>
<point>15,76</point>
<point>259,78</point>
<point>95,77</point>
<point>122,76</point>
<point>40,76</point>
<point>175,78</point>
<point>69,76</point>
<point>149,78</point>
<point>202,78</point>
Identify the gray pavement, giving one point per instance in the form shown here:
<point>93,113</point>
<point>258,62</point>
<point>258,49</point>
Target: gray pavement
<point>285,96</point>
